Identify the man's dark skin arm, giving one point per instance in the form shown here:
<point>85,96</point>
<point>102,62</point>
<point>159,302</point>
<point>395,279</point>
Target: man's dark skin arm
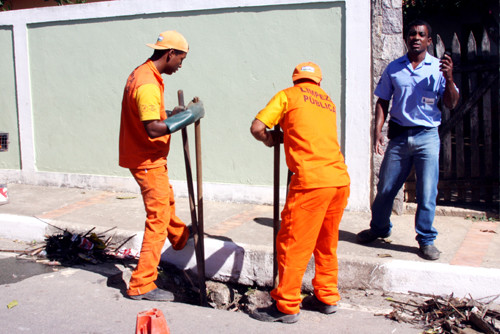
<point>450,96</point>
<point>381,112</point>
<point>156,128</point>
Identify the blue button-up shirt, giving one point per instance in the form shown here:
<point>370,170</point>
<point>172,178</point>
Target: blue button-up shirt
<point>415,92</point>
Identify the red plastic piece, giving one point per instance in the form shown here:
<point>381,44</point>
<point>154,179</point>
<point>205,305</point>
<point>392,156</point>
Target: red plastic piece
<point>151,322</point>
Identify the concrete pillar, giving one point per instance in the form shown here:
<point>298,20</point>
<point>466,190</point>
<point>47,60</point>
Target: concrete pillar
<point>387,45</point>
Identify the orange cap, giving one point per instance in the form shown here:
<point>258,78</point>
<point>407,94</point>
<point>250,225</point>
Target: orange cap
<point>170,40</point>
<point>307,70</point>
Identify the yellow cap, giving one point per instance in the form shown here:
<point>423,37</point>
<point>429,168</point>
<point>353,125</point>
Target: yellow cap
<point>307,70</point>
<point>170,40</point>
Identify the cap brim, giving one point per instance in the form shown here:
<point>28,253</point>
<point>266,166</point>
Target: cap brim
<point>305,76</point>
<point>156,47</point>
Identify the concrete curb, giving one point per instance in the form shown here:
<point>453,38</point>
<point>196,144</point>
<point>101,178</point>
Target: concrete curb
<point>252,265</point>
<point>441,279</point>
<point>22,228</point>
<point>411,209</point>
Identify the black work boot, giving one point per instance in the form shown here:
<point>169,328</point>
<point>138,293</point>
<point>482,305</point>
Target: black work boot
<point>367,236</point>
<point>272,314</point>
<point>157,295</point>
<point>191,231</point>
<point>314,304</point>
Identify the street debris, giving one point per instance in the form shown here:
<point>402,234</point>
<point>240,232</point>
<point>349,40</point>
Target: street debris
<point>448,314</point>
<point>126,197</point>
<point>483,218</point>
<point>70,248</point>
<point>12,304</point>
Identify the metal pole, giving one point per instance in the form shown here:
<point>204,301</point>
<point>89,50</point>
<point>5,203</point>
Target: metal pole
<point>200,262</point>
<point>199,241</point>
<point>276,202</point>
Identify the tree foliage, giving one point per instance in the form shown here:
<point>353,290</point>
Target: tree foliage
<point>417,7</point>
<point>66,2</point>
<point>5,4</point>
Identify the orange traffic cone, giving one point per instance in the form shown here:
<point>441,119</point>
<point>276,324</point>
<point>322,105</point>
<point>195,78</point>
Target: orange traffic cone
<point>151,322</point>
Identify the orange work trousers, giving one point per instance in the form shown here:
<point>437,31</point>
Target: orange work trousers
<point>161,223</point>
<point>309,225</point>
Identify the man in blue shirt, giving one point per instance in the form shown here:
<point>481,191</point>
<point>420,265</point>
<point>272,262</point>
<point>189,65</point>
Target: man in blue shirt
<point>415,82</point>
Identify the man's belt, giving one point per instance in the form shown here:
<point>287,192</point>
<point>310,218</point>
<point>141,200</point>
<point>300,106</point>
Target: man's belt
<point>396,130</point>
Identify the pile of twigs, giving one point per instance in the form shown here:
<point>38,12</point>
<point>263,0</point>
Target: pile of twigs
<point>449,314</point>
<point>70,248</point>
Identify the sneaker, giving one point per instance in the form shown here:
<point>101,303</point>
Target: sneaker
<point>367,236</point>
<point>314,304</point>
<point>272,314</point>
<point>429,252</point>
<point>4,196</point>
<point>156,295</point>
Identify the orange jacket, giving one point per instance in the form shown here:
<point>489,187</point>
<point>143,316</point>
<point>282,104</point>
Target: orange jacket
<point>307,116</point>
<point>137,149</point>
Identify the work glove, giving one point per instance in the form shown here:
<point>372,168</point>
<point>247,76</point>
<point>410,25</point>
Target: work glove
<point>193,113</point>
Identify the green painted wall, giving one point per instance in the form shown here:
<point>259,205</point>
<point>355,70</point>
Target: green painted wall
<point>238,60</point>
<point>8,109</point>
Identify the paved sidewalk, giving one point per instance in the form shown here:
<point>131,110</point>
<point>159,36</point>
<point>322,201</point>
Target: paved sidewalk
<point>238,240</point>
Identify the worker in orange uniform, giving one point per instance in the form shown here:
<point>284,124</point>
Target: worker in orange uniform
<point>317,197</point>
<point>144,146</point>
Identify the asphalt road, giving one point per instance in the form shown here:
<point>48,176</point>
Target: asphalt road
<point>47,299</point>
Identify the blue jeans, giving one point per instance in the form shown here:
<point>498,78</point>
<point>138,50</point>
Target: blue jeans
<point>419,147</point>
